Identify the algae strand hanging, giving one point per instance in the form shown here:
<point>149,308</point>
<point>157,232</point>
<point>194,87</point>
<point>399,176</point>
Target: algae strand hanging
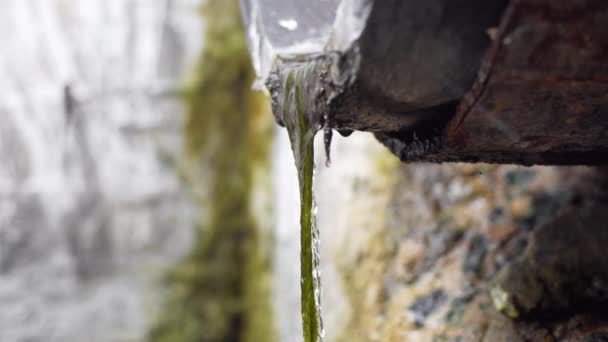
<point>302,129</point>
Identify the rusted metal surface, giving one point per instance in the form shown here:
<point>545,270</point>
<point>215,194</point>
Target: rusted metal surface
<point>541,96</point>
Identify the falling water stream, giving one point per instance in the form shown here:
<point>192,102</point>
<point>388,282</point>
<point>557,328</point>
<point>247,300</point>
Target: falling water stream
<point>291,107</point>
<point>302,84</point>
<point>300,89</point>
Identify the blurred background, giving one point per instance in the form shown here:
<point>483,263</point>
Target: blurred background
<point>92,208</point>
<point>135,175</point>
<point>147,195</point>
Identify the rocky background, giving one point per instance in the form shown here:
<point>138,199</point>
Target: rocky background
<point>463,252</point>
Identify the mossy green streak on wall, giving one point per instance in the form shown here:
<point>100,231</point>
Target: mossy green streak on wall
<point>221,290</point>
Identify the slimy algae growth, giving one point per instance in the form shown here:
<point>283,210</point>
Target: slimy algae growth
<point>302,140</point>
<point>291,107</point>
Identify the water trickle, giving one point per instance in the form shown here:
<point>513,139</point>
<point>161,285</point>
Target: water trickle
<point>327,135</point>
<point>293,107</point>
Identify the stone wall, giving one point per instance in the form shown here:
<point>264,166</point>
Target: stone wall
<point>460,252</point>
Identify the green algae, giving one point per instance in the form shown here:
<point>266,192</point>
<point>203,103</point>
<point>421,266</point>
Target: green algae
<point>301,133</point>
<point>221,291</point>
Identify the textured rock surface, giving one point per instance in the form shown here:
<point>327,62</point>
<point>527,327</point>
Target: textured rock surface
<point>89,135</point>
<point>519,82</point>
<point>457,252</point>
<point>539,97</point>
